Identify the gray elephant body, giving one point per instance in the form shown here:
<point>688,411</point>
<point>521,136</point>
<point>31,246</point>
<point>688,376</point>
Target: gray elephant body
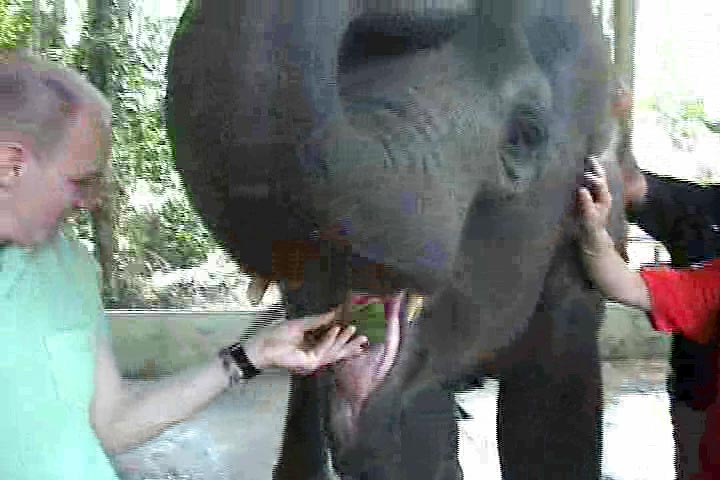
<point>447,139</point>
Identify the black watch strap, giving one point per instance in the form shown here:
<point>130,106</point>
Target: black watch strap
<point>239,357</point>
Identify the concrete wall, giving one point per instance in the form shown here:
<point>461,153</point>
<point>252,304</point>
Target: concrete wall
<point>152,343</point>
<point>626,334</point>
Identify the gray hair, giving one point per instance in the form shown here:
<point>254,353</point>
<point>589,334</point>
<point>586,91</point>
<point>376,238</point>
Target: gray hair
<point>40,100</point>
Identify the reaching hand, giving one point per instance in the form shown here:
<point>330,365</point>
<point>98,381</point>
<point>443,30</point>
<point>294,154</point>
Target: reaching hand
<point>282,345</point>
<point>595,207</point>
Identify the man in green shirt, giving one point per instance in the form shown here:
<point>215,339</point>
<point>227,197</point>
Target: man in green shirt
<point>60,389</point>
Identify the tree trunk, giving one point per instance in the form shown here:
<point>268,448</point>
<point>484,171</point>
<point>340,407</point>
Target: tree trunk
<point>624,23</point>
<point>59,19</point>
<point>99,70</point>
<point>36,32</point>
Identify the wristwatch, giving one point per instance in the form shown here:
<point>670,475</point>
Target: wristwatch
<point>237,364</point>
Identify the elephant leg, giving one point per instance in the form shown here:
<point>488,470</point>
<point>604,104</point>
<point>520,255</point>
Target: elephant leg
<point>430,436</point>
<point>549,423</point>
<point>550,399</point>
<point>304,452</point>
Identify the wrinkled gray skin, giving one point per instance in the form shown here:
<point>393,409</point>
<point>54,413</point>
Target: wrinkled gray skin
<point>449,142</point>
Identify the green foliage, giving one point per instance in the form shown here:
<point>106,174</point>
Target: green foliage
<point>168,235</point>
<point>692,110</point>
<point>20,19</point>
<point>683,118</point>
<point>647,104</point>
<point>713,126</point>
<point>185,239</point>
<point>15,23</point>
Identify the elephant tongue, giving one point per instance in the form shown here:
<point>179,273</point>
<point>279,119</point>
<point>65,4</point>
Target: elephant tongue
<point>357,378</point>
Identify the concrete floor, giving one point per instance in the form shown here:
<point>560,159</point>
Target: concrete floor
<point>238,436</point>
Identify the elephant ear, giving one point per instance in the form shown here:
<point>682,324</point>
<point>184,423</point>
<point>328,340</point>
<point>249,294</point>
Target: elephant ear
<point>551,42</point>
<point>561,35</point>
<point>567,48</point>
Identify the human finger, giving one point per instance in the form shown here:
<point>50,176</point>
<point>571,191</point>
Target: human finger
<point>345,336</point>
<point>313,322</point>
<point>326,341</point>
<point>603,190</point>
<point>350,349</point>
<point>600,189</point>
<point>585,202</point>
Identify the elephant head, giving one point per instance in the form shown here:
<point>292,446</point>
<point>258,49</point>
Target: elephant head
<point>445,137</point>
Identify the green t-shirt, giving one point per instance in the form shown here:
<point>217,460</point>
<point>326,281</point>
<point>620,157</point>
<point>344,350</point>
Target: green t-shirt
<point>50,310</point>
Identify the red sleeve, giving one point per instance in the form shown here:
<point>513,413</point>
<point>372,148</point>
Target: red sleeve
<point>685,301</point>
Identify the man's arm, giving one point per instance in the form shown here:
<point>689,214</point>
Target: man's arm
<point>123,418</point>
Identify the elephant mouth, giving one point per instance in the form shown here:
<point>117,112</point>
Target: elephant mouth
<point>374,322</point>
<point>382,319</point>
<point>357,378</point>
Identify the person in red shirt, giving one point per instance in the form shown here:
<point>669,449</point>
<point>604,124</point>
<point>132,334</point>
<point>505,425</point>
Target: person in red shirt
<point>686,302</point>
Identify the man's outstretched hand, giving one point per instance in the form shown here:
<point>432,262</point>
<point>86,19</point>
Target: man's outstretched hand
<point>283,345</point>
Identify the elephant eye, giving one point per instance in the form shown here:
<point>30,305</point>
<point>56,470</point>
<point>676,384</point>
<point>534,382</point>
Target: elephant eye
<point>526,131</point>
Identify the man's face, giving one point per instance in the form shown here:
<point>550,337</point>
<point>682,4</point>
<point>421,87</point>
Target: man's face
<point>45,193</point>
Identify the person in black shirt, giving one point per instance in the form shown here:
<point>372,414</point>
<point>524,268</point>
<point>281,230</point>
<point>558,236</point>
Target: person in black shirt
<point>684,217</point>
